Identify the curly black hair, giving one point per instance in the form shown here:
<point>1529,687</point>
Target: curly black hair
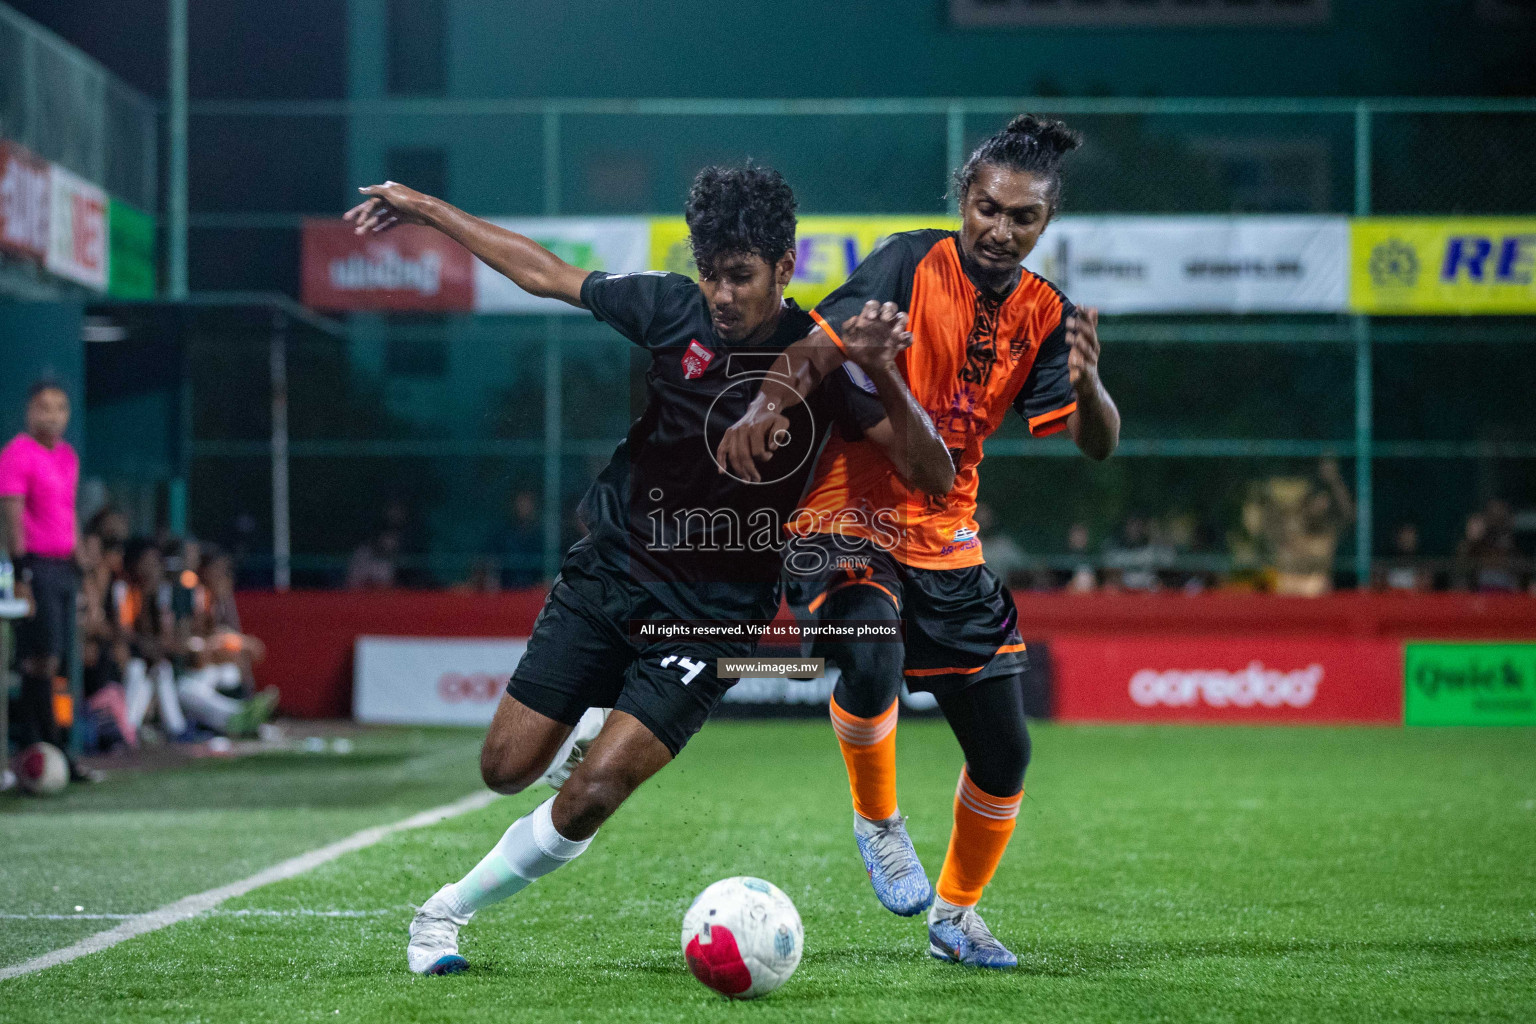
<point>747,209</point>
<point>1028,143</point>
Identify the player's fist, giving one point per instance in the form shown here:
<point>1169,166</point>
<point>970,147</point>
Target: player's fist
<point>1083,347</point>
<point>751,440</point>
<point>874,337</point>
<point>387,205</point>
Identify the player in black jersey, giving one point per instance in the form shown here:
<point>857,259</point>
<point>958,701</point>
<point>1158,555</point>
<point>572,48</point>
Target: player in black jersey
<point>674,537</point>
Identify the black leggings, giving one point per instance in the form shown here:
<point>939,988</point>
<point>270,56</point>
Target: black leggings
<point>987,717</point>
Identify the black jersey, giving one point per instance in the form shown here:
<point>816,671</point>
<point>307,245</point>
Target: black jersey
<point>663,514</point>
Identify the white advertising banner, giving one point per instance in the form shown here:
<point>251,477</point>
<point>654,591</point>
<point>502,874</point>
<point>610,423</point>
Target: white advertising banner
<point>615,245</point>
<point>1237,264</point>
<point>77,229</point>
<point>431,680</point>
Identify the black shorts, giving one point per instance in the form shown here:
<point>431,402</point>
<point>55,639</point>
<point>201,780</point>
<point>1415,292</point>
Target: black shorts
<point>581,656</point>
<point>50,630</point>
<point>959,625</point>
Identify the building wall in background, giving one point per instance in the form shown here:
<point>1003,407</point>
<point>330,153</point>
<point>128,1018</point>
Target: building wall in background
<point>909,48</point>
<point>41,340</point>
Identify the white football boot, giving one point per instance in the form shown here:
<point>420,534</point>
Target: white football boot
<point>434,945</point>
<point>575,747</point>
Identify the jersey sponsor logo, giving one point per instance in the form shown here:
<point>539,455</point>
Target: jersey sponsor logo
<point>696,360</point>
<point>950,549</point>
<point>960,421</point>
<point>964,533</point>
<point>1218,688</point>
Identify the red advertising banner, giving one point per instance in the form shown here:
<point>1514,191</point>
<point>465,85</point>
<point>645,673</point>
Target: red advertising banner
<point>407,268</point>
<point>1254,679</point>
<point>25,192</point>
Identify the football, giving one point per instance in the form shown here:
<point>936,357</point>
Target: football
<point>41,769</point>
<point>742,937</point>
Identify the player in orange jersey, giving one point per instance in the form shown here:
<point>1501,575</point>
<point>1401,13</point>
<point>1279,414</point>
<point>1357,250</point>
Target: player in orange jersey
<point>987,335</point>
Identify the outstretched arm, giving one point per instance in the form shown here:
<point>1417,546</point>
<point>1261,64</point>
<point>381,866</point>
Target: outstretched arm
<point>526,263</point>
<point>1095,423</point>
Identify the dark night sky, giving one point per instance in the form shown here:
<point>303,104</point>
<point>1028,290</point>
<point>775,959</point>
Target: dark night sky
<point>240,48</point>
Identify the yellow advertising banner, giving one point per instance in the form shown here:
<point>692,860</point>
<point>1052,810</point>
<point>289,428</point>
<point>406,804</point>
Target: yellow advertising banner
<point>827,248</point>
<point>1469,265</point>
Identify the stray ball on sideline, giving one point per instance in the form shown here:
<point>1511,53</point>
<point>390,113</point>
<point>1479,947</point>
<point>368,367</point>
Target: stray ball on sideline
<point>742,937</point>
<point>41,769</point>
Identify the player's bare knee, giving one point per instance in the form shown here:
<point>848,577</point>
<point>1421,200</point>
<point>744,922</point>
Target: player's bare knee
<point>591,797</point>
<point>503,771</point>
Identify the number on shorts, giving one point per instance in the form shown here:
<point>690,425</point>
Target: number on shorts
<point>690,667</point>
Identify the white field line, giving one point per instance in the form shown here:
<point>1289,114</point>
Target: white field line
<point>200,903</point>
<point>294,912</point>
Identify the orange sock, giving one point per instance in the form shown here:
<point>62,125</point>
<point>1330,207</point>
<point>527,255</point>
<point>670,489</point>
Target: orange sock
<point>983,825</point>
<point>869,751</point>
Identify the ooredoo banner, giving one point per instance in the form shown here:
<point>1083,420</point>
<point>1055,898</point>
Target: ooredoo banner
<point>431,681</point>
<point>1198,264</point>
<point>438,681</point>
<point>408,268</point>
<point>1255,679</point>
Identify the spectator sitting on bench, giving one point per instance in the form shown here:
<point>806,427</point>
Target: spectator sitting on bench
<point>218,690</point>
<point>141,605</point>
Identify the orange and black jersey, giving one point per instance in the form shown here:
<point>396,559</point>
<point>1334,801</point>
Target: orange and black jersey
<point>973,356</point>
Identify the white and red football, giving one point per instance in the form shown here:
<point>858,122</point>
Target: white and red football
<point>742,937</point>
<point>41,769</point>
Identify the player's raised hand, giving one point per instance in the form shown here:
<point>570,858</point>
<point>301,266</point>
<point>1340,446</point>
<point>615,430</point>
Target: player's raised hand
<point>874,337</point>
<point>387,205</point>
<point>1083,344</point>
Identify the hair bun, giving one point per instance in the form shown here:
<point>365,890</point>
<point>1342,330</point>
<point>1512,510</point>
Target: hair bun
<point>1053,135</point>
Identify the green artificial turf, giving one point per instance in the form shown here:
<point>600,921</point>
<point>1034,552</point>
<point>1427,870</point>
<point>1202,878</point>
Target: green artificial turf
<point>1158,874</point>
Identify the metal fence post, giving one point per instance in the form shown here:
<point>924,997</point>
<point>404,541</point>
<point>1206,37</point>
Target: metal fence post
<point>1364,535</point>
<point>954,146</point>
<point>176,125</point>
<point>553,433</point>
<point>27,135</point>
<point>551,162</point>
<point>282,549</point>
<point>552,445</point>
<point>1364,504</point>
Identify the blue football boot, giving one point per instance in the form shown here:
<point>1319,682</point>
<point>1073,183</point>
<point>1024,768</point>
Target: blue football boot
<point>892,863</point>
<point>958,935</point>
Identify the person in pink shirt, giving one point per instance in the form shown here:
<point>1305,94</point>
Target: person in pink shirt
<point>39,473</point>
